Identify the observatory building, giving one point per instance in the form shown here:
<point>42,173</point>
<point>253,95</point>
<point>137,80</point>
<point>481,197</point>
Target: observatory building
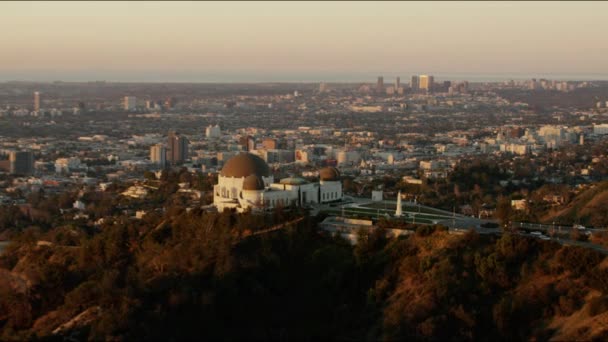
<point>245,182</point>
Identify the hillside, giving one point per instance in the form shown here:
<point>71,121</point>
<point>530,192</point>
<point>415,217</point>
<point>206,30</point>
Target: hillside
<point>192,277</point>
<point>587,208</point>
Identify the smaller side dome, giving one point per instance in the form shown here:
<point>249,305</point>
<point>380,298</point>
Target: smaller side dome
<point>253,182</point>
<point>329,174</point>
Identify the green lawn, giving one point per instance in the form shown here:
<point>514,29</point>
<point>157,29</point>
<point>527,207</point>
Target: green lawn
<point>381,205</point>
<point>371,213</point>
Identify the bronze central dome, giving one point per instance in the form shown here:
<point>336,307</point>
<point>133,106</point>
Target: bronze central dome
<point>245,164</point>
<point>329,174</point>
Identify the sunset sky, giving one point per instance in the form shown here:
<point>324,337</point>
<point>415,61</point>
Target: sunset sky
<point>307,41</point>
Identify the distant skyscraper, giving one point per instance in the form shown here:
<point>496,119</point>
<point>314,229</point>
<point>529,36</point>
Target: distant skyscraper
<point>380,85</point>
<point>426,82</point>
<point>251,144</point>
<point>212,132</point>
<point>37,101</point>
<point>415,83</point>
<point>130,102</point>
<point>158,155</point>
<point>247,142</point>
<point>322,87</point>
<point>21,163</point>
<point>270,144</point>
<point>397,82</point>
<point>177,148</point>
<point>170,103</point>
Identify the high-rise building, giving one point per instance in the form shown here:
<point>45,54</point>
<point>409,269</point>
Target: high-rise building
<point>177,148</point>
<point>426,82</point>
<point>130,102</point>
<point>247,143</point>
<point>397,82</point>
<point>322,87</point>
<point>170,103</point>
<point>37,101</point>
<point>213,132</point>
<point>21,162</point>
<point>158,155</point>
<point>380,85</point>
<point>415,83</point>
<point>270,144</point>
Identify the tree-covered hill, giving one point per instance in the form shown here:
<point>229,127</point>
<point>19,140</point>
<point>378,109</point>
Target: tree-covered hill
<point>587,207</point>
<point>193,275</point>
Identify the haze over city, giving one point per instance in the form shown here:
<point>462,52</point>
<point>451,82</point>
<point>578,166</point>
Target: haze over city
<point>301,41</point>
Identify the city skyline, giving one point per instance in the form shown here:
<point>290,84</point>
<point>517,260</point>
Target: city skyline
<point>295,42</point>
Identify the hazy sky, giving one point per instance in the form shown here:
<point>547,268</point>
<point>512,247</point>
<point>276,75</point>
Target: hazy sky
<point>313,41</point>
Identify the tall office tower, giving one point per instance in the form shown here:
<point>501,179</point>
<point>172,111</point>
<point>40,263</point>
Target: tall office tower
<point>37,101</point>
<point>21,163</point>
<point>322,87</point>
<point>130,102</point>
<point>426,82</point>
<point>415,83</point>
<point>158,155</point>
<point>397,83</point>
<point>380,85</point>
<point>270,144</point>
<point>243,142</point>
<point>213,132</point>
<point>251,144</point>
<point>177,148</point>
<point>170,103</point>
<point>247,142</point>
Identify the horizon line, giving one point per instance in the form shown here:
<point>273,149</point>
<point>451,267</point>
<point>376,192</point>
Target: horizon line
<point>604,79</point>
